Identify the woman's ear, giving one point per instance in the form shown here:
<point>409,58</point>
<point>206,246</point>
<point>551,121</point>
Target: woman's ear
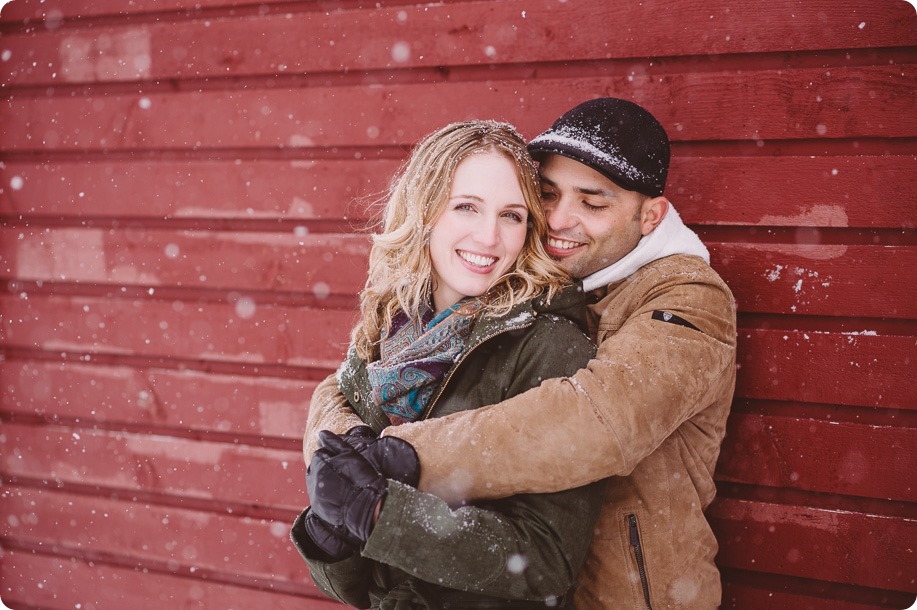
<point>652,212</point>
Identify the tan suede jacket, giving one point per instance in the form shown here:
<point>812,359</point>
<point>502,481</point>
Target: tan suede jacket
<point>650,410</point>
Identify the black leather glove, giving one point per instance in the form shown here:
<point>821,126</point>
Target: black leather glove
<point>334,543</point>
<point>344,487</point>
<point>391,456</point>
<point>359,437</point>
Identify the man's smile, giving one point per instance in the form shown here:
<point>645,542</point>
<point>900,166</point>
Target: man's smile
<point>558,247</point>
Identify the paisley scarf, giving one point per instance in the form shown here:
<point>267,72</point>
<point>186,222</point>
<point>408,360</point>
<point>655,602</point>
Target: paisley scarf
<point>416,356</point>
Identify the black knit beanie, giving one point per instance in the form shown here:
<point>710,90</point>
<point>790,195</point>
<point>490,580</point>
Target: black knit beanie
<point>615,137</point>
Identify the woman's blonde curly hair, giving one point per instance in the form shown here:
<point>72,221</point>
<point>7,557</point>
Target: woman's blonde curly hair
<point>400,268</point>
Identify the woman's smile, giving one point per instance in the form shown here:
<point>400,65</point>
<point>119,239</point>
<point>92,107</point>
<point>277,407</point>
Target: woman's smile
<point>479,263</point>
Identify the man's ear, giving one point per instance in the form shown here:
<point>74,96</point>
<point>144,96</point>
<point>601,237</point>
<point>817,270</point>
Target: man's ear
<point>652,212</point>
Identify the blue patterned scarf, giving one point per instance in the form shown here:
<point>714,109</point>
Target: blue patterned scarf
<point>416,356</point>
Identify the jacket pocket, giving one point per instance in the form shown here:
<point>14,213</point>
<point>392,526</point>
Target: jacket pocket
<point>636,548</point>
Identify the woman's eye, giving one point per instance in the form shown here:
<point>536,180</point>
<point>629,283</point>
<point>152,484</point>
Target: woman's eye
<point>465,207</point>
<point>514,216</point>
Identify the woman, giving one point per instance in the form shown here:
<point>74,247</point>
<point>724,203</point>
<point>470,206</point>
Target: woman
<point>448,323</point>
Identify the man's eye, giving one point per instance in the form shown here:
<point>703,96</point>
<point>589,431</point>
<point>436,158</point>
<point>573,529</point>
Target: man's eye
<point>593,208</point>
<point>547,196</point>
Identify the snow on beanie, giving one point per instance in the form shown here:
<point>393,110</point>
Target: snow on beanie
<point>615,137</point>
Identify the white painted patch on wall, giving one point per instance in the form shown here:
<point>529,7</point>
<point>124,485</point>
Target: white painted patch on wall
<point>122,56</point>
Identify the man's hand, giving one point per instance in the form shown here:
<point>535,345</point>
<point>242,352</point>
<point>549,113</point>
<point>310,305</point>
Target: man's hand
<point>345,488</point>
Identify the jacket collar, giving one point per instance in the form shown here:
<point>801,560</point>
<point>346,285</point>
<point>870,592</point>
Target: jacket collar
<point>520,316</point>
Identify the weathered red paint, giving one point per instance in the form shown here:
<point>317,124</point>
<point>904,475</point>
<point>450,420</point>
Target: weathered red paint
<point>816,279</point>
<point>181,189</point>
<point>699,105</point>
<point>218,473</point>
<point>152,533</point>
<point>829,368</point>
<point>794,191</point>
<point>526,31</point>
<point>253,407</point>
<point>43,580</point>
<point>244,331</point>
<point>812,454</point>
<point>830,545</point>
<point>820,279</point>
<point>297,262</point>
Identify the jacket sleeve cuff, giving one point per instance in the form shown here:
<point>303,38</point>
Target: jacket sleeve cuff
<point>345,580</point>
<point>304,543</point>
<point>386,533</point>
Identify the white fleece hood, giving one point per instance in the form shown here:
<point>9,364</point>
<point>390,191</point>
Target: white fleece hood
<point>670,237</point>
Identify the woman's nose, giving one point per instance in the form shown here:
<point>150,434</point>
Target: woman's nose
<point>487,232</point>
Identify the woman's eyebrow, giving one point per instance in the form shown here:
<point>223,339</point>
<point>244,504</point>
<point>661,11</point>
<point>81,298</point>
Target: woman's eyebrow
<point>472,197</point>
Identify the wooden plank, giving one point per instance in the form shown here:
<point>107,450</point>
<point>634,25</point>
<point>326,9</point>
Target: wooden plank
<point>156,398</point>
<point>224,546</point>
<point>832,280</point>
<point>319,265</point>
<point>840,191</point>
<point>741,596</point>
<point>221,473</point>
<point>818,455</point>
<point>232,189</point>
<point>835,191</point>
<point>472,33</point>
<point>860,368</point>
<point>244,332</point>
<point>864,549</point>
<point>769,191</point>
<point>53,11</point>
<point>846,102</point>
<point>59,582</point>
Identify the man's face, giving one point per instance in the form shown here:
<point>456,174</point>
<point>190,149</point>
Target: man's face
<point>592,222</point>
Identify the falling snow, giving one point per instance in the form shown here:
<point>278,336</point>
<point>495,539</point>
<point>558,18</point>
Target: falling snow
<point>401,52</point>
<point>157,389</point>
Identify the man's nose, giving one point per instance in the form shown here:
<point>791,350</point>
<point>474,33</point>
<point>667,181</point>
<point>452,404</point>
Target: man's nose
<point>559,217</point>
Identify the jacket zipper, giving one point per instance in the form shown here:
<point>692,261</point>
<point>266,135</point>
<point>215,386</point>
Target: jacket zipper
<point>638,553</point>
<point>442,388</point>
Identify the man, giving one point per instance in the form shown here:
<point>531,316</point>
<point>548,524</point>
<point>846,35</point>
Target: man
<point>649,410</point>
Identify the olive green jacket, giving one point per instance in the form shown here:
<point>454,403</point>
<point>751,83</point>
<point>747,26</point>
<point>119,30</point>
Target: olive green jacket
<point>525,548</point>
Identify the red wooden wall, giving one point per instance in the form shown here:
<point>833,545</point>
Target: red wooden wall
<point>179,190</point>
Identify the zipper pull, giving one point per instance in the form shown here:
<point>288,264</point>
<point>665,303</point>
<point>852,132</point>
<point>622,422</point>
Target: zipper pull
<point>634,534</point>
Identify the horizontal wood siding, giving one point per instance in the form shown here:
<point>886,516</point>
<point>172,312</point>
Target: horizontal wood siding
<point>183,192</point>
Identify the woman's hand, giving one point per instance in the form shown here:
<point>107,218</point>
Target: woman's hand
<point>330,544</point>
<point>348,477</point>
<point>344,487</point>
